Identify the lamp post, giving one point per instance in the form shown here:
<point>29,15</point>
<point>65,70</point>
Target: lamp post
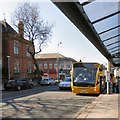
<point>8,67</point>
<point>58,61</point>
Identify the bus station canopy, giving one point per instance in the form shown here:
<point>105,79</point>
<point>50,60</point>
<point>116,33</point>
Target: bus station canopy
<point>99,21</point>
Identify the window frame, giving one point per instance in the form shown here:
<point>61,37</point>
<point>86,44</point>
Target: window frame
<point>29,68</point>
<point>27,53</point>
<point>55,65</point>
<point>16,47</point>
<point>17,66</point>
<point>50,66</point>
<point>45,66</point>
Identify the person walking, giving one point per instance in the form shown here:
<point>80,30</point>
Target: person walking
<point>111,84</point>
<point>113,80</point>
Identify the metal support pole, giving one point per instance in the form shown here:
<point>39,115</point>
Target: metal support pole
<point>58,62</point>
<point>8,67</point>
<point>58,68</point>
<point>108,78</point>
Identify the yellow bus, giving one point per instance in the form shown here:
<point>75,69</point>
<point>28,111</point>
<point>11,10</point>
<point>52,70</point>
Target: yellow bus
<point>87,78</point>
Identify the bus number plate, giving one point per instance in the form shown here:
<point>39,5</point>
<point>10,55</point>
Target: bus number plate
<point>83,91</point>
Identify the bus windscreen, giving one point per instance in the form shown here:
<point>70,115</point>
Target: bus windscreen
<point>84,76</point>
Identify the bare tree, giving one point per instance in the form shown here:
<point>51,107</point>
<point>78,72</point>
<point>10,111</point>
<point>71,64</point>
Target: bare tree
<point>35,28</point>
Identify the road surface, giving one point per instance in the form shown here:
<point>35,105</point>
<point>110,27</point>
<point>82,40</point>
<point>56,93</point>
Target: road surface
<point>43,102</point>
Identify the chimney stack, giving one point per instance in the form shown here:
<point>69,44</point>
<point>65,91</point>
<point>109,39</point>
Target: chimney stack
<point>21,29</point>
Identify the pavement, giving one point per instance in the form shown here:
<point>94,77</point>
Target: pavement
<point>104,106</point>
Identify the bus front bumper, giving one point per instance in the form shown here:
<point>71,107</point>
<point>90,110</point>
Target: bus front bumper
<point>85,90</point>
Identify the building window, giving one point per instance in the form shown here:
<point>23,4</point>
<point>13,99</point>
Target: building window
<point>45,66</point>
<point>61,65</point>
<point>55,65</point>
<point>50,65</point>
<point>69,66</point>
<point>40,66</point>
<point>29,69</point>
<point>16,66</point>
<point>16,47</point>
<point>28,54</point>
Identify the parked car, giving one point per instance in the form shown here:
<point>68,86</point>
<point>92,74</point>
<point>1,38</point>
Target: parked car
<point>18,84</point>
<point>48,81</point>
<point>65,84</point>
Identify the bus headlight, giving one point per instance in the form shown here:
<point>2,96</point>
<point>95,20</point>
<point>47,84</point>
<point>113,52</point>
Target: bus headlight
<point>95,89</point>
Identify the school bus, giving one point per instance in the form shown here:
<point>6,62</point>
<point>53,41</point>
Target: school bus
<point>87,78</point>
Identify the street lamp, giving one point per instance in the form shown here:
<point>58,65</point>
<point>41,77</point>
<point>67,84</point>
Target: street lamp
<point>58,61</point>
<point>8,67</point>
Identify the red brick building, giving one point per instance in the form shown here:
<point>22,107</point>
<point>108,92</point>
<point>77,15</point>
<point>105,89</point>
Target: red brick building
<point>55,64</point>
<point>16,47</point>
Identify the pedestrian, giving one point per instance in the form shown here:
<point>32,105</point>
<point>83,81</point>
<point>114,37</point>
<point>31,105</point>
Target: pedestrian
<point>113,80</point>
<point>117,84</point>
<point>111,84</point>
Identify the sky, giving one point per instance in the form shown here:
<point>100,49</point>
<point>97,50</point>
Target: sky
<point>74,43</point>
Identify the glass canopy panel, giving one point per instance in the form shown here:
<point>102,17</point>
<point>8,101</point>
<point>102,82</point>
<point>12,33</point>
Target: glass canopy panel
<point>111,41</point>
<point>111,46</point>
<point>114,49</point>
<point>97,10</point>
<point>108,20</point>
<point>106,23</point>
<point>114,52</point>
<point>109,34</point>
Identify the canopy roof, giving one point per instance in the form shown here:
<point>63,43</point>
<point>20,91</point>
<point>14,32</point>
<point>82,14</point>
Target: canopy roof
<point>99,22</point>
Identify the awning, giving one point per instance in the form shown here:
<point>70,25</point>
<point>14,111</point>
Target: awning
<point>99,22</point>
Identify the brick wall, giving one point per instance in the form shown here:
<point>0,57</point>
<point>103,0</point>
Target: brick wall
<point>51,71</point>
<point>8,49</point>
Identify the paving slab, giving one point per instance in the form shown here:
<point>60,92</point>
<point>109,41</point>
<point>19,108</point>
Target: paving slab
<point>104,106</point>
